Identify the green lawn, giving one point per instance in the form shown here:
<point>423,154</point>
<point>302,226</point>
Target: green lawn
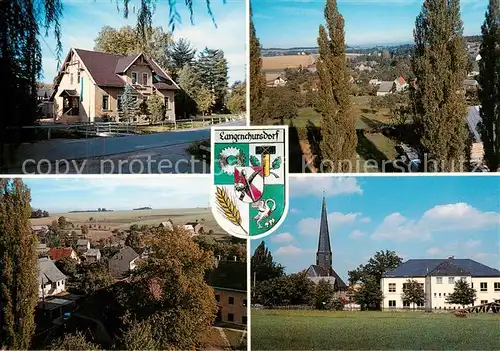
<point>328,330</point>
<point>371,146</point>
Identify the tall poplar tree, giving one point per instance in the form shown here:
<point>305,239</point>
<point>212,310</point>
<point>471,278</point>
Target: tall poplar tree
<point>338,126</point>
<point>18,266</point>
<point>489,83</point>
<point>258,114</point>
<point>440,64</point>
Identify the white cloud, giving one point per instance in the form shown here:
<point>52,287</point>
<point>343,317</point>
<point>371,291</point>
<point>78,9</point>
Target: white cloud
<point>365,220</point>
<point>282,238</point>
<point>331,186</point>
<point>472,243</point>
<point>294,211</point>
<point>289,250</point>
<point>433,251</point>
<point>356,234</point>
<point>310,226</point>
<point>441,218</point>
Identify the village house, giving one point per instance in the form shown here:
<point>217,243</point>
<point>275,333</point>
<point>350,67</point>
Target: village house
<point>400,84</point>
<point>229,281</point>
<point>470,84</point>
<point>82,245</point>
<point>42,250</point>
<point>194,228</point>
<point>57,253</point>
<point>362,67</point>
<point>385,88</point>
<point>40,229</point>
<point>275,80</point>
<point>51,281</point>
<point>90,84</point>
<point>123,262</point>
<point>437,277</point>
<point>92,256</point>
<point>374,82</point>
<point>169,225</point>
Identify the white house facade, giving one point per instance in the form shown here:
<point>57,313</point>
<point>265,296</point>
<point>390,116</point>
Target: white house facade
<point>51,281</point>
<point>438,277</point>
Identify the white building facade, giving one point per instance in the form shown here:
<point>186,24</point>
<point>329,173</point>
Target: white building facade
<point>438,278</point>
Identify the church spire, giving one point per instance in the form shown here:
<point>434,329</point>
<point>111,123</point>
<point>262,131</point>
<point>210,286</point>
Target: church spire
<point>324,254</point>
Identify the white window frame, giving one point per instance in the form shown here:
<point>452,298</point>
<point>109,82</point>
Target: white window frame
<point>147,79</point>
<point>485,286</point>
<point>451,280</point>
<point>496,286</point>
<point>392,287</point>
<point>439,280</point>
<point>166,101</point>
<point>132,77</point>
<point>390,303</point>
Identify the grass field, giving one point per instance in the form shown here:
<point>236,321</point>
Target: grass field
<point>371,146</point>
<point>122,220</point>
<point>327,330</point>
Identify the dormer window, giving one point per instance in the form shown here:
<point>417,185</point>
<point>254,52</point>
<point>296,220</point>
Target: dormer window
<point>134,78</point>
<point>145,78</point>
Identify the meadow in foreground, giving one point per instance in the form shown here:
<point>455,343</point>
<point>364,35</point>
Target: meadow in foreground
<point>354,330</point>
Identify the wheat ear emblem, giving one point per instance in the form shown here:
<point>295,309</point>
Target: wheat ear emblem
<point>228,208</point>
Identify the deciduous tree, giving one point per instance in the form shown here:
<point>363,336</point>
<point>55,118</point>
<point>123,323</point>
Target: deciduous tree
<point>236,102</point>
<point>439,64</point>
<point>156,108</point>
<point>463,294</point>
<point>413,293</point>
<point>204,100</point>
<point>489,83</point>
<point>263,265</point>
<point>281,104</point>
<point>189,81</point>
<point>338,126</point>
<point>18,266</point>
<point>323,294</point>
<point>72,342</point>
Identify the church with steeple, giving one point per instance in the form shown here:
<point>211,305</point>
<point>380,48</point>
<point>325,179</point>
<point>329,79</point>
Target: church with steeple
<point>323,268</point>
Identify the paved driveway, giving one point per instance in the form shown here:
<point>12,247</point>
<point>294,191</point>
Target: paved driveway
<point>151,153</point>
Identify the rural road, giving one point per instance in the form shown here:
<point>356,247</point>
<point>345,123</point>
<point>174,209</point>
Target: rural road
<point>137,154</point>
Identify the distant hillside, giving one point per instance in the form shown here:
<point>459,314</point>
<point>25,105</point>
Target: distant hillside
<point>142,208</point>
<point>98,210</point>
<point>267,52</point>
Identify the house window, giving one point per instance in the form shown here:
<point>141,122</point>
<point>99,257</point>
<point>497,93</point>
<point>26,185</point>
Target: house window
<point>451,280</point>
<point>483,286</point>
<point>392,287</point>
<point>420,304</point>
<point>59,283</point>
<point>244,319</point>
<point>78,77</point>
<point>145,79</point>
<point>406,304</point>
<point>105,102</point>
<point>435,294</point>
<point>245,302</point>
<point>439,294</point>
<point>230,317</point>
<point>231,300</point>
<point>392,303</point>
<point>496,286</point>
<point>119,102</point>
<point>71,78</point>
<point>439,280</point>
<point>217,298</point>
<point>134,77</point>
<point>472,285</point>
<point>483,302</point>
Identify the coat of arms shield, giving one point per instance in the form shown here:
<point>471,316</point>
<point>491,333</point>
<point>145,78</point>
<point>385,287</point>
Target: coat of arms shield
<point>250,179</point>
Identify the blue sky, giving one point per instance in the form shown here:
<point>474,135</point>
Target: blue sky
<point>83,19</point>
<point>292,23</point>
<point>118,193</point>
<point>418,217</point>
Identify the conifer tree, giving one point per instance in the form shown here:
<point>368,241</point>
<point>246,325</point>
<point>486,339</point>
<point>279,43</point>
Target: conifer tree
<point>18,266</point>
<point>129,106</point>
<point>489,82</point>
<point>212,68</point>
<point>440,64</point>
<point>258,114</point>
<point>338,125</point>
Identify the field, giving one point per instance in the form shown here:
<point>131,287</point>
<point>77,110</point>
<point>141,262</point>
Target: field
<point>104,223</point>
<point>371,146</point>
<point>327,330</point>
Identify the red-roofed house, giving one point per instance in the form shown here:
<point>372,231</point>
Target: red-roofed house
<point>400,84</point>
<point>90,84</point>
<point>56,253</point>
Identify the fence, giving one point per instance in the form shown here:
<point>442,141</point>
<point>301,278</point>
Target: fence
<point>103,129</point>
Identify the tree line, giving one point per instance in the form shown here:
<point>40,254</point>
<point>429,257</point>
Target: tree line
<point>439,105</point>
